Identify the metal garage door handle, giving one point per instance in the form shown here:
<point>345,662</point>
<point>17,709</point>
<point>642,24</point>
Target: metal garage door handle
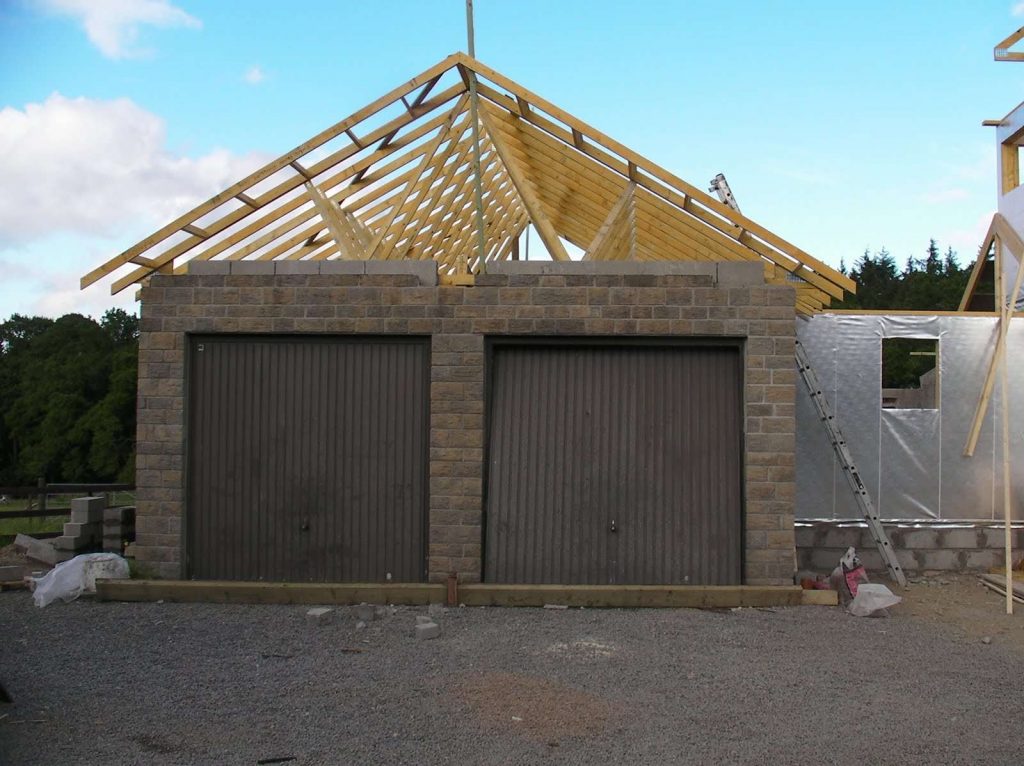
<point>613,528</point>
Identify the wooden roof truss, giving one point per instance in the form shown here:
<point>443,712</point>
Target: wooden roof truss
<point>395,180</point>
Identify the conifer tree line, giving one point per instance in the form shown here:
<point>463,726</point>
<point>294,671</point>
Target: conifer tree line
<point>67,385</point>
<point>933,283</point>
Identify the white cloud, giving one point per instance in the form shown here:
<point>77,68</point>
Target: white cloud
<point>99,168</point>
<point>113,25</point>
<point>254,75</point>
<point>1018,9</point>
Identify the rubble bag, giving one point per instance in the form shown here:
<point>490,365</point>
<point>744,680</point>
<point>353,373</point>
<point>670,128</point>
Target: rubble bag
<point>870,598</point>
<point>69,580</point>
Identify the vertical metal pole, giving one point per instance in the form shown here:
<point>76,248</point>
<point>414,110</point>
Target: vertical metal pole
<point>473,115</point>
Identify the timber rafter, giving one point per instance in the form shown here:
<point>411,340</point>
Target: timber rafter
<point>395,180</point>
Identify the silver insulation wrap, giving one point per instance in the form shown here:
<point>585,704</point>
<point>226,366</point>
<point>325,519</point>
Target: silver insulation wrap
<point>910,459</point>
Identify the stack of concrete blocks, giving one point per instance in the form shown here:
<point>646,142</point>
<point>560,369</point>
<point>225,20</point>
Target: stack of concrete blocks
<point>118,529</point>
<point>85,530</point>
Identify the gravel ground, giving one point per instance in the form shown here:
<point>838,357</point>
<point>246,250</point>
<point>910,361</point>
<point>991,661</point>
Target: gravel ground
<point>98,683</point>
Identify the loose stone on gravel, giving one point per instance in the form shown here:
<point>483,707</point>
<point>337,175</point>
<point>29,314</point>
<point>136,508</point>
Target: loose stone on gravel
<point>320,615</point>
<point>366,612</point>
<point>426,628</point>
<point>170,684</point>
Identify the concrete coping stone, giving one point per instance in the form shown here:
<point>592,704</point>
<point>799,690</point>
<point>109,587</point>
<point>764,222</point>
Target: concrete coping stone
<point>425,270</point>
<point>725,274</point>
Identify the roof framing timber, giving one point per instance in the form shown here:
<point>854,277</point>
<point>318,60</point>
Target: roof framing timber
<point>401,186</point>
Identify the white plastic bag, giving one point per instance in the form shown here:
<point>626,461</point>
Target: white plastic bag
<point>69,580</point>
<point>870,598</point>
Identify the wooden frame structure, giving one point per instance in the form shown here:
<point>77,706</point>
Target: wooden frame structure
<point>396,180</point>
<point>1002,52</point>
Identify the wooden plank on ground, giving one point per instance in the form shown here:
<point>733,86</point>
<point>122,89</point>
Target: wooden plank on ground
<point>233,592</point>
<point>819,598</point>
<point>631,596</point>
<point>1000,581</point>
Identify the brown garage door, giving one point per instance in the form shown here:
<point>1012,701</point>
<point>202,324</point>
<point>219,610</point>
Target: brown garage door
<point>307,458</point>
<point>615,464</point>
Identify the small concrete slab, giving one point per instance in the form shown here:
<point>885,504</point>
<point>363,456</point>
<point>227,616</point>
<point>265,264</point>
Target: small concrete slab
<point>342,267</point>
<point>737,274</point>
<point>320,615</point>
<point>427,630</point>
<point>252,268</point>
<point>209,268</point>
<point>425,271</point>
<point>297,268</point>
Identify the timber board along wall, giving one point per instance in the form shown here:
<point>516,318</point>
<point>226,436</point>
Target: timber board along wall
<point>709,300</point>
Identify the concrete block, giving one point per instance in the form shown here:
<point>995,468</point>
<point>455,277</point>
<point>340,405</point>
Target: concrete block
<point>342,267</point>
<point>11,573</point>
<point>319,615</point>
<point>252,268</point>
<point>804,537</point>
<point>422,619</point>
<point>960,538</point>
<point>823,561</point>
<point>88,510</point>
<point>92,503</point>
<point>591,268</point>
<point>984,559</point>
<point>736,274</point>
<point>427,630</point>
<point>994,537</point>
<point>921,539</point>
<point>209,268</point>
<point>425,271</point>
<point>366,612</point>
<point>120,515</point>
<point>77,529</point>
<point>43,552</point>
<point>75,543</point>
<point>297,268</point>
<point>941,560</point>
<point>842,538</point>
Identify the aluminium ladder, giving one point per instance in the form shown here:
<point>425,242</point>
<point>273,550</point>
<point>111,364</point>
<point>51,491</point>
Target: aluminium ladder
<point>721,187</point>
<point>860,492</point>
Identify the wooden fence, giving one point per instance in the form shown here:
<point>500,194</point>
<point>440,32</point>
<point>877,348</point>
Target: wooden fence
<point>38,496</point>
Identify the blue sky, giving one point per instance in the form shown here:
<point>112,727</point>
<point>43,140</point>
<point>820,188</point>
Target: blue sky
<point>839,126</point>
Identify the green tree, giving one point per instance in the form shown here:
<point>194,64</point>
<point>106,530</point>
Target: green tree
<point>67,395</point>
<point>934,283</point>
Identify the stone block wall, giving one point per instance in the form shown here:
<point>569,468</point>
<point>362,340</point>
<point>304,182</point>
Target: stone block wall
<point>728,300</point>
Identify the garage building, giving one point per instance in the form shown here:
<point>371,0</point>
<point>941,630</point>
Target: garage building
<point>350,371</point>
